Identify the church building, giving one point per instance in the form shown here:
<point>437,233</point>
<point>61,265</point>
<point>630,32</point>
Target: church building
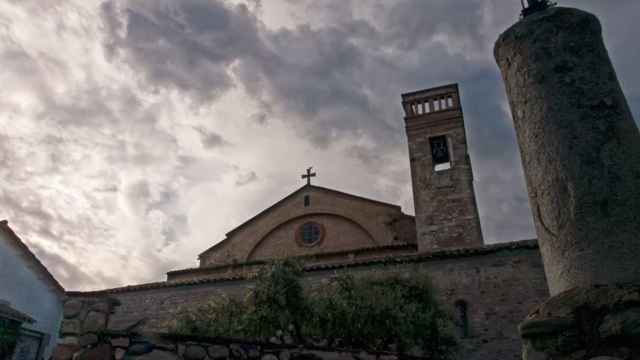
<point>488,288</point>
<point>323,225</point>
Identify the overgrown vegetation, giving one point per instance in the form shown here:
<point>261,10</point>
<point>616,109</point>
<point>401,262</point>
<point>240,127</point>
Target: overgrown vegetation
<point>375,314</point>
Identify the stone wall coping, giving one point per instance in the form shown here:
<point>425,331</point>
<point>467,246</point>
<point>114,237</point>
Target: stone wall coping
<point>399,259</point>
<point>320,256</point>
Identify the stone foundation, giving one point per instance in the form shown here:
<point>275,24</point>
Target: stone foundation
<point>594,323</point>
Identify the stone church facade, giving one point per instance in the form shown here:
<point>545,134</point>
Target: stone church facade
<point>489,289</point>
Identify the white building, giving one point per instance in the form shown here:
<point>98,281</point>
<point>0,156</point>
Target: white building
<point>27,287</point>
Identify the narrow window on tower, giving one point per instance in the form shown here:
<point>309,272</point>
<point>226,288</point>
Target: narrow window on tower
<point>307,201</point>
<point>462,314</point>
<point>440,153</point>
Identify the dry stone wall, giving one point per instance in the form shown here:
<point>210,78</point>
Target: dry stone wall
<point>90,333</point>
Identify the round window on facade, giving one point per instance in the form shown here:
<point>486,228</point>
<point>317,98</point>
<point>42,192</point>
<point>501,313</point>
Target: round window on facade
<point>310,233</point>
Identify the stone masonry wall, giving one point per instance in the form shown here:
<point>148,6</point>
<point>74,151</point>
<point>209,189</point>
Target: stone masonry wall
<point>446,210</point>
<point>89,333</point>
<point>499,287</point>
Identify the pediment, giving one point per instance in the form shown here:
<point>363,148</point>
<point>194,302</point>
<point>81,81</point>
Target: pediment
<point>350,221</point>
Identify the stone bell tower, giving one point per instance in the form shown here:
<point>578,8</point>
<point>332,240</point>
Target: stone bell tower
<point>445,203</point>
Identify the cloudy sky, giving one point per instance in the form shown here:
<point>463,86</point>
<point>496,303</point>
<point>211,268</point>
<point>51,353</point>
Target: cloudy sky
<point>134,134</point>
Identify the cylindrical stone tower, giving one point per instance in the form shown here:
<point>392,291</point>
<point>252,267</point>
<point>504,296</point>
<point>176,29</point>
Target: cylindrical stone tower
<point>580,148</point>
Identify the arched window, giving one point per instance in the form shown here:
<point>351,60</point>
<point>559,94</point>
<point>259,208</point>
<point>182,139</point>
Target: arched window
<point>462,318</point>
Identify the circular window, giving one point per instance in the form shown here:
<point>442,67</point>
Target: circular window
<point>310,233</point>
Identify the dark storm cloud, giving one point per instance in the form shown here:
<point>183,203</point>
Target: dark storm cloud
<point>185,45</point>
<point>329,82</point>
<point>343,78</point>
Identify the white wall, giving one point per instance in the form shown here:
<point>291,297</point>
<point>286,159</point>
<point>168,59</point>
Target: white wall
<point>27,293</point>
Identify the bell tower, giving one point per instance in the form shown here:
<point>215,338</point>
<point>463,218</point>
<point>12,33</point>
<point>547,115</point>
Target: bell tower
<point>443,195</point>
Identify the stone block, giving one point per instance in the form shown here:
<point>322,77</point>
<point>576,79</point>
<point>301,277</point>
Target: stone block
<point>122,342</point>
<point>100,352</point>
<point>68,340</point>
<point>140,348</point>
<point>158,355</point>
<point>284,355</point>
<point>72,308</point>
<point>102,307</point>
<point>87,339</point>
<point>70,327</point>
<point>218,352</point>
<point>237,351</point>
<point>94,322</point>
<point>253,351</point>
<point>65,352</point>
<point>194,352</point>
<point>129,324</point>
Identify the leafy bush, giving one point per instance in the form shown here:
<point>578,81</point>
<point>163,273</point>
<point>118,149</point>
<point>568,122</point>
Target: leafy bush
<point>376,313</point>
<point>379,313</point>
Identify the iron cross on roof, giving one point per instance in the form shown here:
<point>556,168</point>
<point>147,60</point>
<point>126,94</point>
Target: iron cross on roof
<point>309,175</point>
<point>535,6</point>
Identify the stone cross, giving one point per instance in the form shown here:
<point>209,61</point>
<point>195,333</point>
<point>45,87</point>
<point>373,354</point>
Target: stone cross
<point>309,175</point>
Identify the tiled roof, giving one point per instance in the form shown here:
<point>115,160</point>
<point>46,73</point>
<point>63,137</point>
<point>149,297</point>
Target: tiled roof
<point>400,246</point>
<point>29,256</point>
<point>398,259</point>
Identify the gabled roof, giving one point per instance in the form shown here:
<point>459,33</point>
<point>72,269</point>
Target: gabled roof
<point>281,201</point>
<point>28,256</point>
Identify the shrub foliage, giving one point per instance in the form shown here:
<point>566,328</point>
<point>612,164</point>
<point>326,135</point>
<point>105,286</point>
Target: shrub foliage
<point>375,314</point>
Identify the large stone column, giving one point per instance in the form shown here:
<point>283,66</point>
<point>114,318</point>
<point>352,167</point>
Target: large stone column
<point>581,156</point>
<point>580,147</point>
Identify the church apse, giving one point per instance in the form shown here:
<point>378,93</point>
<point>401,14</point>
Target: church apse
<point>442,178</point>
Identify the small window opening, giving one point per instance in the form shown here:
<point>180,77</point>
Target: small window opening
<point>427,108</point>
<point>436,105</point>
<point>420,108</point>
<point>310,233</point>
<point>440,153</point>
<point>449,101</point>
<point>443,104</point>
<point>462,318</point>
<point>307,200</point>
